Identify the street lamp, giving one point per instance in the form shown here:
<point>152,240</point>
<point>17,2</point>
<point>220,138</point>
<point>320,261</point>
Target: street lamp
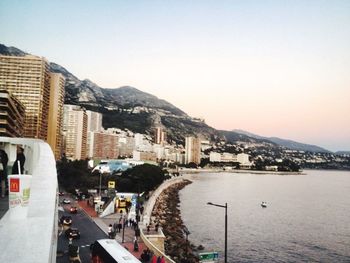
<point>223,206</point>
<point>123,228</point>
<point>100,178</point>
<point>187,232</point>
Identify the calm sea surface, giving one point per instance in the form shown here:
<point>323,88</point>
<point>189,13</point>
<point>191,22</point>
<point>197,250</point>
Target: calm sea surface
<point>307,218</point>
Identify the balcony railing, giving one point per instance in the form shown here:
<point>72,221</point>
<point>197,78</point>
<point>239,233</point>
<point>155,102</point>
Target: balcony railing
<point>32,237</point>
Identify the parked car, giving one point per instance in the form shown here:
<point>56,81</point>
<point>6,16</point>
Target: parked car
<point>72,233</point>
<point>73,210</point>
<point>66,201</point>
<point>66,220</point>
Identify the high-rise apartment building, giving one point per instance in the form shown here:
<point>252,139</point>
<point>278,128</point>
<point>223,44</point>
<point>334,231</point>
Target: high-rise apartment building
<point>159,135</point>
<point>75,132</point>
<point>28,79</point>
<point>94,121</point>
<point>54,132</point>
<point>139,140</point>
<point>193,150</point>
<point>103,145</point>
<point>12,113</point>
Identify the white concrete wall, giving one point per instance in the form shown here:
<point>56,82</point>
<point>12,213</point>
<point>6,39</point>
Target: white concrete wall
<point>34,238</point>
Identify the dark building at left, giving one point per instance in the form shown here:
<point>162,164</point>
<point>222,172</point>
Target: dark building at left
<point>12,115</point>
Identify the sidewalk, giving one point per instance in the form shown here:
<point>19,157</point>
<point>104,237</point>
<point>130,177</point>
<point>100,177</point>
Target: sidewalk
<point>103,224</point>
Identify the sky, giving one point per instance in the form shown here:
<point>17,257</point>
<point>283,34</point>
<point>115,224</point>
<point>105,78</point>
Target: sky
<point>273,68</point>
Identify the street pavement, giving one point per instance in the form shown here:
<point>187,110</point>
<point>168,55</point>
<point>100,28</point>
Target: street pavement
<point>89,233</point>
<point>103,223</point>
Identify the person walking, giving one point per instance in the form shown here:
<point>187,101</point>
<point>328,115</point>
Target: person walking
<point>110,231</point>
<point>136,245</point>
<point>137,232</point>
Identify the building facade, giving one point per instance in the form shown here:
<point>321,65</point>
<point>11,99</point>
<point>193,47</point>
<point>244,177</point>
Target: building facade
<point>55,129</point>
<point>28,79</point>
<point>159,136</point>
<point>75,132</point>
<point>103,145</point>
<point>12,114</point>
<point>94,121</point>
<point>193,150</point>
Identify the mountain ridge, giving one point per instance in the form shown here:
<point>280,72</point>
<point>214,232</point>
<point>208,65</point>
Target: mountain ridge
<point>290,144</point>
<point>128,107</point>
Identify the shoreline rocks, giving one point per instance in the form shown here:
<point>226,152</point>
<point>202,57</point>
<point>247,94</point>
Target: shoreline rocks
<point>167,213</point>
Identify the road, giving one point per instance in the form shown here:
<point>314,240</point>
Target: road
<point>89,232</point>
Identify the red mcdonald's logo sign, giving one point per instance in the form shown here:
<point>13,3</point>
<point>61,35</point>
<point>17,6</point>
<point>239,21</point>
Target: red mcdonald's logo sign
<point>14,184</point>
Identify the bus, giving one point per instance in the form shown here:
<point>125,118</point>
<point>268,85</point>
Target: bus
<point>110,251</point>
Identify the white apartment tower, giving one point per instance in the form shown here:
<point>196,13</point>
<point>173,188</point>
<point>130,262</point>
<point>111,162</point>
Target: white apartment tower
<point>75,132</point>
<point>94,123</point>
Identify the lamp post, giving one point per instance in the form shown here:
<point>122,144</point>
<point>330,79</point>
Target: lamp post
<point>223,206</point>
<point>100,179</point>
<point>123,229</point>
<point>185,229</point>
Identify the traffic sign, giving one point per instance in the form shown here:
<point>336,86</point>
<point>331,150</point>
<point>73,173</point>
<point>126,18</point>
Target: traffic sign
<point>111,184</point>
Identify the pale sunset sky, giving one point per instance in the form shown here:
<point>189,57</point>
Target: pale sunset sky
<point>274,68</point>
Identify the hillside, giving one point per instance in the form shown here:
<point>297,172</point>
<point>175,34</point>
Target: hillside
<point>293,145</point>
<point>127,107</point>
<point>138,111</point>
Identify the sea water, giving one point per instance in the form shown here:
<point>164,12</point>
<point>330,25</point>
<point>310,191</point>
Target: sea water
<point>307,218</point>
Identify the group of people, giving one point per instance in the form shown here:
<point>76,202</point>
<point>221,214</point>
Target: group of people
<point>17,167</point>
<point>149,226</point>
<point>148,257</point>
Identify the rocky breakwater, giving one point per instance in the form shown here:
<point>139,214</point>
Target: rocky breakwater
<point>167,213</point>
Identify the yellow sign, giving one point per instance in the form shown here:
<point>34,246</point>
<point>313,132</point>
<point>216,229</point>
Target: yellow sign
<point>111,184</point>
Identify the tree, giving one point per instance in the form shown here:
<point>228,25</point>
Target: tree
<point>75,174</point>
<point>144,177</point>
<point>191,165</point>
<point>204,162</point>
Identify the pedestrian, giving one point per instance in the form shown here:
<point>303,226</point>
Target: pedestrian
<point>144,256</point>
<point>136,245</point>
<point>115,227</point>
<point>162,259</point>
<point>19,162</point>
<point>3,171</point>
<point>154,259</point>
<point>141,209</point>
<point>148,228</point>
<point>158,259</point>
<point>119,227</point>
<point>110,231</point>
<point>137,233</point>
<point>156,227</point>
